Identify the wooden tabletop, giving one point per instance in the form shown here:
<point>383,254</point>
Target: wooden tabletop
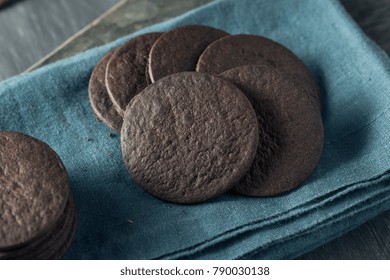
<point>30,29</point>
<point>368,241</point>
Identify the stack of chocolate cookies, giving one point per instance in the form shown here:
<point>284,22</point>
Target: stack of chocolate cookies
<point>37,214</point>
<point>202,112</point>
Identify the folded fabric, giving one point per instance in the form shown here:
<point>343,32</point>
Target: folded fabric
<point>118,220</point>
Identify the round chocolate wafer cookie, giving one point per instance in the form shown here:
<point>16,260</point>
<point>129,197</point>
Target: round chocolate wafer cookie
<point>239,50</point>
<point>61,251</point>
<point>101,103</point>
<point>34,189</point>
<point>189,137</point>
<point>125,72</point>
<point>57,237</point>
<point>179,49</point>
<point>39,251</point>
<point>290,130</point>
<point>30,250</point>
<point>61,239</point>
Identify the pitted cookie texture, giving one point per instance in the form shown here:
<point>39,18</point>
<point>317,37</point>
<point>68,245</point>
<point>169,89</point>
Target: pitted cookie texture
<point>125,73</point>
<point>178,50</point>
<point>189,137</point>
<point>34,189</point>
<point>243,49</point>
<point>290,130</point>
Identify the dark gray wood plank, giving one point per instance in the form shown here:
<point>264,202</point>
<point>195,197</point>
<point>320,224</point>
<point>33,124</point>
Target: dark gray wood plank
<point>374,18</point>
<point>30,29</point>
<point>370,241</point>
<point>128,17</point>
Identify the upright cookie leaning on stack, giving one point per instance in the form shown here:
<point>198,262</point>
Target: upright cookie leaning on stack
<point>37,212</point>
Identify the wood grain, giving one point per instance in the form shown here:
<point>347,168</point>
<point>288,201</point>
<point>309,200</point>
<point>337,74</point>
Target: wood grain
<point>30,29</point>
<point>128,17</point>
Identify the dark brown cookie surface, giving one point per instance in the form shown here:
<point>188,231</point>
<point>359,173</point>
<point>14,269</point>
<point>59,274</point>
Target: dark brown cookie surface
<point>34,189</point>
<point>60,253</point>
<point>62,240</point>
<point>30,250</point>
<point>100,101</point>
<point>291,132</point>
<point>189,137</point>
<point>125,72</point>
<point>179,49</point>
<point>57,238</point>
<point>239,50</point>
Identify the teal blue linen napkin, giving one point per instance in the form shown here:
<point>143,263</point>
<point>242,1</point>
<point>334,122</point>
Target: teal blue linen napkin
<point>118,220</point>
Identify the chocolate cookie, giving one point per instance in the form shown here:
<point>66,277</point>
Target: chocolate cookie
<point>101,103</point>
<point>60,253</point>
<point>58,236</point>
<point>63,240</point>
<point>125,73</point>
<point>34,189</point>
<point>34,249</point>
<point>147,77</point>
<point>239,50</point>
<point>179,49</point>
<point>189,137</point>
<point>290,130</point>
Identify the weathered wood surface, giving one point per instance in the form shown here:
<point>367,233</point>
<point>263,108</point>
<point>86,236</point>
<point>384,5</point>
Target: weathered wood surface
<point>370,240</point>
<point>30,29</point>
<point>130,16</point>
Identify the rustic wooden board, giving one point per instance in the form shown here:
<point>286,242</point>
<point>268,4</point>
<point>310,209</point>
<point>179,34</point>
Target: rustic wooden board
<point>30,29</point>
<point>128,17</point>
<point>368,241</point>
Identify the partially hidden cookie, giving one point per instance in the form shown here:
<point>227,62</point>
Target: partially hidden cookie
<point>239,50</point>
<point>179,49</point>
<point>34,189</point>
<point>100,101</point>
<point>290,130</point>
<point>189,137</point>
<point>125,72</point>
